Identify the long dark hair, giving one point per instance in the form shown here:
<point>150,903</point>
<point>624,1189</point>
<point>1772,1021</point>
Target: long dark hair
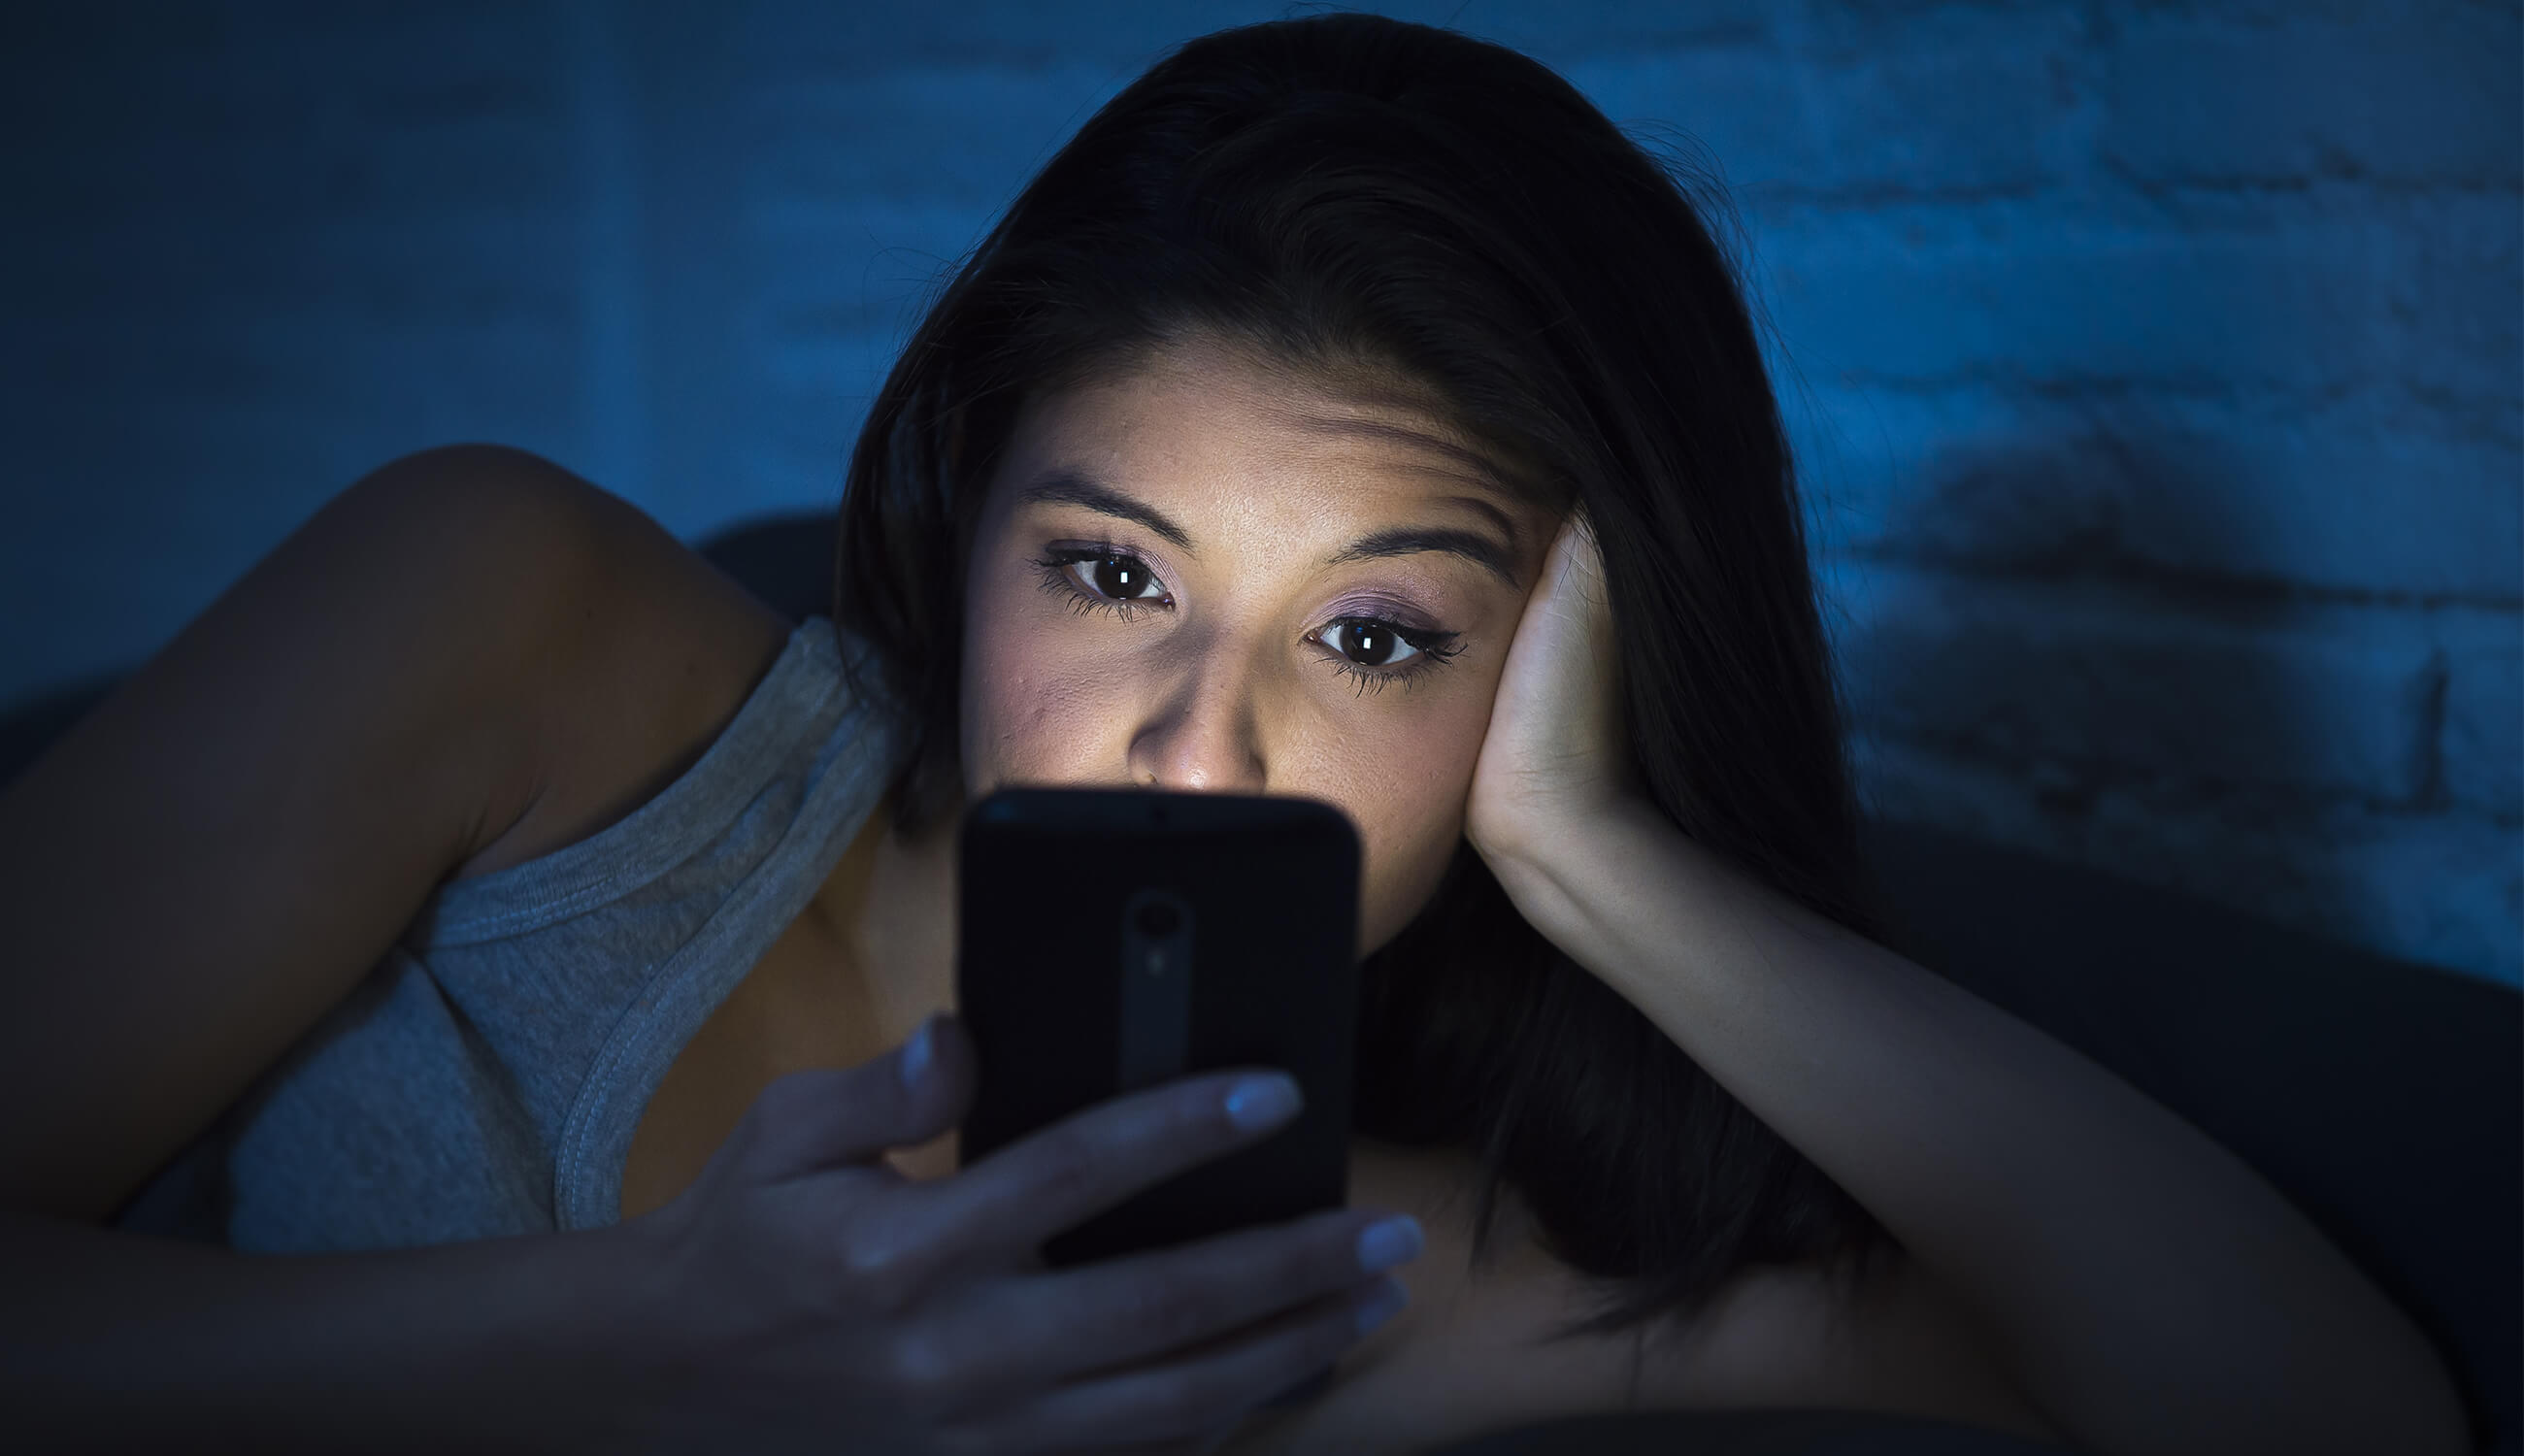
<point>1393,205</point>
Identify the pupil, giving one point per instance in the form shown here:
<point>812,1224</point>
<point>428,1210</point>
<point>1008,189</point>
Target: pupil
<point>1114,579</point>
<point>1372,644</point>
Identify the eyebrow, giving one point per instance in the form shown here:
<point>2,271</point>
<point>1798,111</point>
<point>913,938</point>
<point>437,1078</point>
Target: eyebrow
<point>1064,486</point>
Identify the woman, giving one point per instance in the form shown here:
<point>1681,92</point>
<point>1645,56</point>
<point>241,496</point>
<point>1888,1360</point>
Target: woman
<point>1349,409</point>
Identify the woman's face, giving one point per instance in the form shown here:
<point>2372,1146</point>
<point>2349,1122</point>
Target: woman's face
<point>1199,577</point>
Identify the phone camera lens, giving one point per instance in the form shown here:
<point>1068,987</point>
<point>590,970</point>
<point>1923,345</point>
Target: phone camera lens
<point>1158,919</point>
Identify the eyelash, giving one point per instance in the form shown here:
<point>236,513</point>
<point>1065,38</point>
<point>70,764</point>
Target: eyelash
<point>1432,647</point>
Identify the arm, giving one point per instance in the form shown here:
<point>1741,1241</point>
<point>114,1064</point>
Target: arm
<point>114,1341</point>
<point>191,876</point>
<point>2152,1294</point>
<point>217,852</point>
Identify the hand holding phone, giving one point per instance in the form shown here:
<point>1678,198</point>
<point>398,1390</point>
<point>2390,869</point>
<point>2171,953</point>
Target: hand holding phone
<point>799,1287</point>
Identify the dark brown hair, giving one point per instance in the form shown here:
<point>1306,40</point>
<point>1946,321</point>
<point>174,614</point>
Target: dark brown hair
<point>1393,205</point>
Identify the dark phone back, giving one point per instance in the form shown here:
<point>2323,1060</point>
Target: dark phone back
<point>1115,938</point>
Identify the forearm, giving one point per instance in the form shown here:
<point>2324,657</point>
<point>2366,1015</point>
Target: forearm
<point>116,1341</point>
<point>2153,1291</point>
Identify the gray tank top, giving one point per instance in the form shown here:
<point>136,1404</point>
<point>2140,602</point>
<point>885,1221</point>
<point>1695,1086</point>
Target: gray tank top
<point>486,1076</point>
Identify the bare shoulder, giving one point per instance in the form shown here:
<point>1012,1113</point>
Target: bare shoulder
<point>216,853</point>
<point>656,651</point>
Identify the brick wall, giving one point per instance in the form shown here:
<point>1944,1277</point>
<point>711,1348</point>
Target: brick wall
<point>2156,368</point>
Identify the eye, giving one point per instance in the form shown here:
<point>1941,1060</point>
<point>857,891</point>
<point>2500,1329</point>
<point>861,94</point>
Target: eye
<point>1119,577</point>
<point>1101,580</point>
<point>1368,642</point>
<point>1369,649</point>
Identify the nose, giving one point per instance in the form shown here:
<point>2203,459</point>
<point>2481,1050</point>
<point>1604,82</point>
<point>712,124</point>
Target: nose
<point>1201,731</point>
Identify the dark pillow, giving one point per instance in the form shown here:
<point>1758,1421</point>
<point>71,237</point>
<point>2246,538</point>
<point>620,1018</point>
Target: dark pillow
<point>787,560</point>
<point>28,727</point>
<point>2379,1095</point>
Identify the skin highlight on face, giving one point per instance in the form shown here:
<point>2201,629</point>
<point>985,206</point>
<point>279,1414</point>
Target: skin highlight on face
<point>1200,576</point>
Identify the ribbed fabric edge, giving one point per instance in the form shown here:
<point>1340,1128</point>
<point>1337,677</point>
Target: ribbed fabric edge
<point>660,833</point>
<point>849,776</point>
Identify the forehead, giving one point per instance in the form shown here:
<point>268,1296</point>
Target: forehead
<point>1204,416</point>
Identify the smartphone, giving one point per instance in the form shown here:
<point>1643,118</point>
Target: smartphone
<point>1113,938</point>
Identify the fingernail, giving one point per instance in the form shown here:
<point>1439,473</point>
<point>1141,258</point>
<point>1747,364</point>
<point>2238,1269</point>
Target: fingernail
<point>1258,1102</point>
<point>916,1054</point>
<point>1389,1241</point>
<point>1381,1304</point>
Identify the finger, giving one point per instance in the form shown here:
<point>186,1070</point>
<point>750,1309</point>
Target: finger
<point>1575,572</point>
<point>1029,1331</point>
<point>828,1117</point>
<point>1191,1396</point>
<point>1587,559</point>
<point>997,1212</point>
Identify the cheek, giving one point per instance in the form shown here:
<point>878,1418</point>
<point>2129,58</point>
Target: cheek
<point>1405,790</point>
<point>1027,714</point>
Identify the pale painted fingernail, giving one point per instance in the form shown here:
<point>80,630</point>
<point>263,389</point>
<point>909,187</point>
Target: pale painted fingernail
<point>916,1054</point>
<point>1390,1241</point>
<point>1381,1303</point>
<point>1258,1102</point>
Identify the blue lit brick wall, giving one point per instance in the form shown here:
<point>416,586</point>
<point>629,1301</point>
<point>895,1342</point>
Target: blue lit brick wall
<point>2156,368</point>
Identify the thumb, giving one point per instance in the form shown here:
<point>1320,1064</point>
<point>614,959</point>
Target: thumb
<point>829,1117</point>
